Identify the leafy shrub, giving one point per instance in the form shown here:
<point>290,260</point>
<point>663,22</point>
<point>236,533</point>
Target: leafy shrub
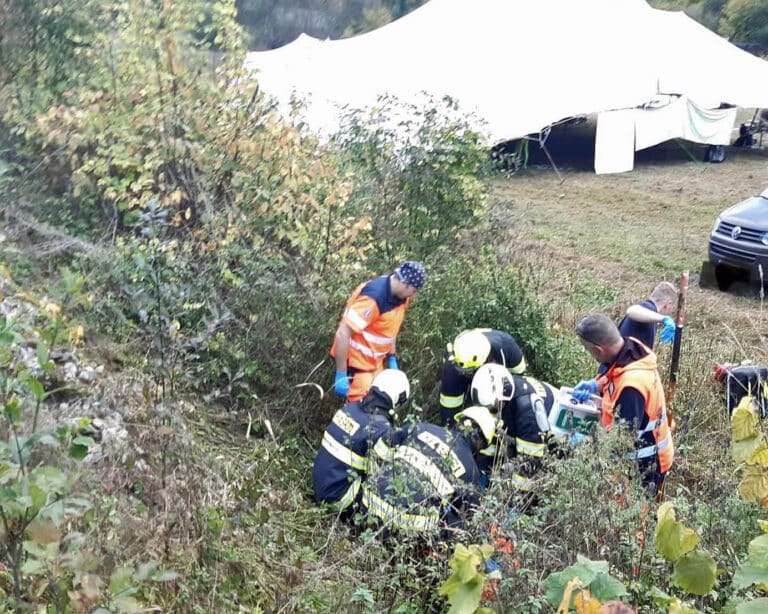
<point>44,559</point>
<point>133,105</point>
<point>419,175</point>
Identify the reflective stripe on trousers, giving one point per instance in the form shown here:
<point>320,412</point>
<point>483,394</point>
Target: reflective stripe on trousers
<point>348,498</point>
<point>451,402</point>
<point>521,482</point>
<point>529,448</point>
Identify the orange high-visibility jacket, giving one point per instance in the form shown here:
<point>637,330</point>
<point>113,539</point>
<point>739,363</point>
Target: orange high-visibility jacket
<point>375,317</point>
<point>643,376</point>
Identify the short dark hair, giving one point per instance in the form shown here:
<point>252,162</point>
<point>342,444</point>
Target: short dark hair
<point>598,329</point>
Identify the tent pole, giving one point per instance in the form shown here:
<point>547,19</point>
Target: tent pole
<point>690,155</point>
<point>551,161</point>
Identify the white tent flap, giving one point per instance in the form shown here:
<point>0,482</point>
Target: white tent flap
<point>615,142</point>
<point>655,125</point>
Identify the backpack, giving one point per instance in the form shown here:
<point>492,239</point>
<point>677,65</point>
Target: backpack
<point>739,381</point>
<point>714,153</point>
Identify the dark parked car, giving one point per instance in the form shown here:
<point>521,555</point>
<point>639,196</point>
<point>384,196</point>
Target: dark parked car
<point>738,243</point>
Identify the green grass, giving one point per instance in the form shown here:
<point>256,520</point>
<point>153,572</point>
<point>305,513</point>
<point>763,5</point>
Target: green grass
<point>600,242</point>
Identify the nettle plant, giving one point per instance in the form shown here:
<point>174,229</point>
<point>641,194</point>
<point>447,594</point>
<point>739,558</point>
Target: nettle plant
<point>35,499</point>
<point>43,561</point>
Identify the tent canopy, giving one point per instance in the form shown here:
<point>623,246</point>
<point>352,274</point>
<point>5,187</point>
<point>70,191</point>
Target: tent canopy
<point>519,66</point>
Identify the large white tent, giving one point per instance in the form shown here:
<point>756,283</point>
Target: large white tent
<point>523,65</point>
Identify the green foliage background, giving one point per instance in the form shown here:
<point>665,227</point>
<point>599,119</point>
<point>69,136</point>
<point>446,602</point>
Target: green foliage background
<point>272,23</point>
<point>223,241</point>
<point>742,21</point>
<point>217,243</point>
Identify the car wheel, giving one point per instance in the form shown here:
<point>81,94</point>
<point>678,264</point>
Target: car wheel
<point>707,275</point>
<point>725,276</point>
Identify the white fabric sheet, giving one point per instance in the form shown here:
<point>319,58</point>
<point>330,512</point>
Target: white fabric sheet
<point>630,130</point>
<point>656,125</point>
<point>710,126</point>
<point>615,142</point>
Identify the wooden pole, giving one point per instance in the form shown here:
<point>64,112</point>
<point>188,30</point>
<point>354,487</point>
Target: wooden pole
<point>675,365</point>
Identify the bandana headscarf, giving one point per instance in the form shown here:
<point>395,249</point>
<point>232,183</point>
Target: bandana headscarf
<point>412,273</point>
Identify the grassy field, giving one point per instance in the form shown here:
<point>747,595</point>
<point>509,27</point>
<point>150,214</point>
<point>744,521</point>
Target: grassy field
<point>599,242</point>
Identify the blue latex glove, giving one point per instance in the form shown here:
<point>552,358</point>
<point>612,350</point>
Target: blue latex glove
<point>491,566</point>
<point>392,362</point>
<point>341,384</point>
<point>576,439</point>
<point>583,389</point>
<point>667,334</point>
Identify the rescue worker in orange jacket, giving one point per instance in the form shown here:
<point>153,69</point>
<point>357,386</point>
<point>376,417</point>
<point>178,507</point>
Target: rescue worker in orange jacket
<point>632,393</point>
<point>523,404</point>
<point>470,350</point>
<point>367,333</point>
<point>341,463</point>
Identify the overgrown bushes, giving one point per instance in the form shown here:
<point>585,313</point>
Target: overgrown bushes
<point>229,243</point>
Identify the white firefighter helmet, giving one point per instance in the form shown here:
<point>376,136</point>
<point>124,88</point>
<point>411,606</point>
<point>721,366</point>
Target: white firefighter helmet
<point>471,349</point>
<point>394,384</point>
<point>482,417</point>
<point>492,384</point>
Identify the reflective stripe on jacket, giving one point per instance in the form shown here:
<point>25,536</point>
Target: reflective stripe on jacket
<point>341,462</point>
<point>430,471</point>
<point>375,317</point>
<point>643,376</point>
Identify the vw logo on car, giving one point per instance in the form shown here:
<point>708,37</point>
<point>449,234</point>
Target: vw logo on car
<point>738,242</point>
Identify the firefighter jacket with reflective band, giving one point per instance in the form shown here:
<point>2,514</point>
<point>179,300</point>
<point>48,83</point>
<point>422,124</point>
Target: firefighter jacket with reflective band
<point>455,384</point>
<point>430,477</point>
<point>375,316</point>
<point>525,420</point>
<point>340,463</point>
<point>636,367</point>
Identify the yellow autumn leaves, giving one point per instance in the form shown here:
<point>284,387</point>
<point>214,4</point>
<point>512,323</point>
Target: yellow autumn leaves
<point>583,601</point>
<point>749,449</point>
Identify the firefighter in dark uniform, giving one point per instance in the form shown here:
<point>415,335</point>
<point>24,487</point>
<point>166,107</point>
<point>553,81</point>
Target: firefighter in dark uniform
<point>523,403</point>
<point>357,428</point>
<point>470,350</point>
<point>430,482</point>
